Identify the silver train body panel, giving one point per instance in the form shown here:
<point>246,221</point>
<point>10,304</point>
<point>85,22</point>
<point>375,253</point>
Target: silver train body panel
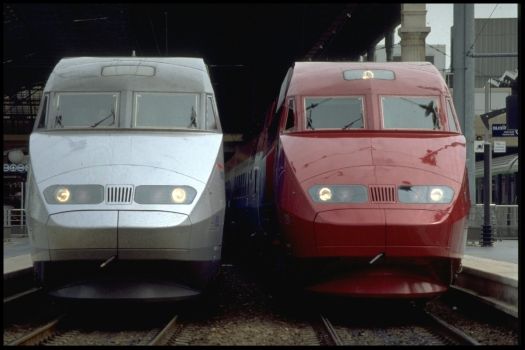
<point>121,159</point>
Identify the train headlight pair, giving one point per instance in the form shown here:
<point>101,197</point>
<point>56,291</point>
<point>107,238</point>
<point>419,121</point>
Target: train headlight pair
<point>161,194</point>
<point>94,194</point>
<point>74,194</point>
<point>338,193</point>
<point>425,194</point>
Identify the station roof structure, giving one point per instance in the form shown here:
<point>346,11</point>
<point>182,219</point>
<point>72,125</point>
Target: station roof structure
<point>248,47</point>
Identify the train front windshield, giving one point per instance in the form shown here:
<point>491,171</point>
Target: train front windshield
<point>84,110</point>
<point>166,110</point>
<point>155,110</point>
<point>405,112</point>
<point>334,112</point>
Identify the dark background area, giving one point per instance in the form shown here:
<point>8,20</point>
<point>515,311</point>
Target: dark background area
<point>248,47</point>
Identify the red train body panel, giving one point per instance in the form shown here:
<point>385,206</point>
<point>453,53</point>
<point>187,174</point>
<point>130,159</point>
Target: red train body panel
<point>367,193</point>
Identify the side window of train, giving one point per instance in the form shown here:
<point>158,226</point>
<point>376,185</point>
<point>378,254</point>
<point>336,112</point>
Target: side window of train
<point>450,117</point>
<point>211,116</point>
<point>290,118</point>
<point>43,114</point>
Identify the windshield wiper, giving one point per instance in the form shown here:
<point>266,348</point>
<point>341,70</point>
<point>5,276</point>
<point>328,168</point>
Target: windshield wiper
<point>58,121</point>
<point>432,109</point>
<point>429,109</point>
<point>309,109</point>
<point>193,118</point>
<point>352,122</point>
<point>309,120</point>
<point>112,114</point>
<point>313,105</point>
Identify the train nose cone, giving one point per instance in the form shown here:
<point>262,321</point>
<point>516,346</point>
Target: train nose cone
<point>360,230</point>
<point>54,154</point>
<point>324,154</point>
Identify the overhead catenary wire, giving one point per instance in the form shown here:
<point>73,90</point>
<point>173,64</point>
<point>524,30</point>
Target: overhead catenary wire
<point>469,51</point>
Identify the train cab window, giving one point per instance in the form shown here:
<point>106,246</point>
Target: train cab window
<point>407,112</point>
<point>450,118</point>
<point>334,113</point>
<point>84,110</point>
<point>290,118</point>
<point>211,115</point>
<point>166,110</point>
<point>43,114</point>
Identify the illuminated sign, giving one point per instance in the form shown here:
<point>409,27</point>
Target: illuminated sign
<point>16,168</point>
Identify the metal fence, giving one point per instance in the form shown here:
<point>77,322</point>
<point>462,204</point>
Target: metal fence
<point>14,222</point>
<point>503,219</point>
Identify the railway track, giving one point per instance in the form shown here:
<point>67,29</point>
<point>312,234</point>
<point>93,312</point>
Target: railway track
<point>448,332</point>
<point>165,336</point>
<point>426,329</point>
<point>333,337</point>
<point>39,335</point>
<point>22,295</point>
<point>63,331</point>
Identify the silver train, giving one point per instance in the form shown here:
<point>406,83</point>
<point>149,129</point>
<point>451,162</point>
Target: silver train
<point>126,194</point>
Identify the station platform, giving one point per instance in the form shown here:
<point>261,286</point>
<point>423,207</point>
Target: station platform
<point>490,273</point>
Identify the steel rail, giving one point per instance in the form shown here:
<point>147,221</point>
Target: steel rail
<point>38,335</point>
<point>165,334</point>
<point>449,331</point>
<point>22,294</point>
<point>498,305</point>
<point>331,331</point>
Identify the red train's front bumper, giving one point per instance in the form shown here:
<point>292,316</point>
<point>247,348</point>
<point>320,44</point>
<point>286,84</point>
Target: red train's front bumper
<point>382,282</point>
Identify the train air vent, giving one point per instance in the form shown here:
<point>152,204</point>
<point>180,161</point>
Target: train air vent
<point>119,194</point>
<point>383,193</point>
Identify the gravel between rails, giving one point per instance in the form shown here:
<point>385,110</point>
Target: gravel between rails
<point>486,332</point>
<point>245,314</point>
<point>240,310</point>
<point>391,335</point>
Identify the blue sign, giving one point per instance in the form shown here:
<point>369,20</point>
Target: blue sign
<point>500,130</point>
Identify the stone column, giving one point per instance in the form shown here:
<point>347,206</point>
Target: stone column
<point>413,32</point>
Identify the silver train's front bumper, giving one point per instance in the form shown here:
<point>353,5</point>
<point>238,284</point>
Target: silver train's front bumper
<point>147,235</point>
<point>126,291</point>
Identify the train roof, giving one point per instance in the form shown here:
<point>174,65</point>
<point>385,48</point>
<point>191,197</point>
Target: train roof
<point>184,74</point>
<point>321,78</point>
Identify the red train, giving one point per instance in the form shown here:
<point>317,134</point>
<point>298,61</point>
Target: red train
<point>358,180</point>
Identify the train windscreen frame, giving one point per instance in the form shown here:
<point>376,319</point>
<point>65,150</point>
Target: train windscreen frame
<point>84,110</point>
<point>410,112</point>
<point>166,110</point>
<point>334,112</point>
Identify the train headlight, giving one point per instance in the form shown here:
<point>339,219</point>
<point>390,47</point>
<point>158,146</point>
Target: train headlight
<point>325,194</point>
<point>425,194</point>
<point>436,194</point>
<point>178,195</point>
<point>161,194</point>
<point>338,193</point>
<point>74,194</point>
<point>62,194</point>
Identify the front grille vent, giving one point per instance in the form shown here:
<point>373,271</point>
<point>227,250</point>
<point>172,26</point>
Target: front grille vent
<point>383,193</point>
<point>119,194</point>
